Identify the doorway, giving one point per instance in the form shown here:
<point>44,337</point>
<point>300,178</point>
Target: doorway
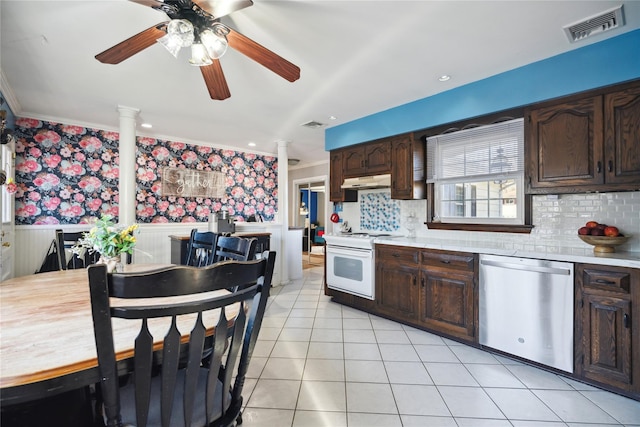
<point>310,207</point>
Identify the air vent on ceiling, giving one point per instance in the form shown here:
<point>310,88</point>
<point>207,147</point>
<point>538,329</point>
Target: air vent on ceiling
<point>605,21</point>
<point>313,124</point>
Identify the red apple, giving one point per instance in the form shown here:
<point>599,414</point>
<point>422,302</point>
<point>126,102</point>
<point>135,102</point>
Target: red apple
<point>611,231</point>
<point>601,226</point>
<point>597,232</point>
<point>591,224</point>
<point>585,231</point>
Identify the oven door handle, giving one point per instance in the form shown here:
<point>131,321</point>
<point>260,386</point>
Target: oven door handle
<point>352,252</point>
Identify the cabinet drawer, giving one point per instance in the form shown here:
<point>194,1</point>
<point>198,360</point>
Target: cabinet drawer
<point>450,260</point>
<point>605,280</point>
<point>396,255</point>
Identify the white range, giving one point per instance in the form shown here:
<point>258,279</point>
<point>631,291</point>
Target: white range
<point>350,260</point>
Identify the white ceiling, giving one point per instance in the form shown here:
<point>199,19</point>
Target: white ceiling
<point>356,58</point>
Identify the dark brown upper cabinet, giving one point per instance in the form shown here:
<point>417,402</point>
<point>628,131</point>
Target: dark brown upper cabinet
<point>402,156</point>
<point>407,168</point>
<point>585,144</point>
<point>373,158</point>
<point>336,192</point>
<point>622,136</point>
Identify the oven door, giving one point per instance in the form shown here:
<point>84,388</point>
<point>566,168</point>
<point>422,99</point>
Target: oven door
<point>350,270</point>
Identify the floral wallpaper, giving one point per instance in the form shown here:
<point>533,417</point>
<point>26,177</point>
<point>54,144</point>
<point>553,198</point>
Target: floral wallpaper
<point>251,182</point>
<point>65,174</point>
<point>69,174</point>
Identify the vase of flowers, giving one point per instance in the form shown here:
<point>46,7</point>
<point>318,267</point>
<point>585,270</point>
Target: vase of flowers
<point>109,240</point>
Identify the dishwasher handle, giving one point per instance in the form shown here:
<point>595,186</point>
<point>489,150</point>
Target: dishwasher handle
<point>536,268</point>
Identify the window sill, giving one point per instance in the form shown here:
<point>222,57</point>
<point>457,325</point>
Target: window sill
<point>498,228</point>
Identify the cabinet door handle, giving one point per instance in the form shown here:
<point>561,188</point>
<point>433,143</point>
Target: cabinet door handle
<point>610,166</point>
<point>604,282</point>
<point>445,261</point>
<point>395,255</point>
<point>626,320</point>
<point>599,167</point>
<point>422,282</point>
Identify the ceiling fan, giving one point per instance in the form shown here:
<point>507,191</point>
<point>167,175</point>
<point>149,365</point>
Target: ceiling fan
<point>196,24</point>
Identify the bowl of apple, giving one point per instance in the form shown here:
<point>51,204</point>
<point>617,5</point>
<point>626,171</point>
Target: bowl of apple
<point>604,238</point>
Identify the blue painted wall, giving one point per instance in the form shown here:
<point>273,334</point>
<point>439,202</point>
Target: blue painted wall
<point>312,205</point>
<point>608,62</point>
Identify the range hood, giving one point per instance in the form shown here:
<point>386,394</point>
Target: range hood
<point>366,182</point>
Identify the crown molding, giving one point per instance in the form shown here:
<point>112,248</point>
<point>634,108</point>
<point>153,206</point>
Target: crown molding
<point>8,95</point>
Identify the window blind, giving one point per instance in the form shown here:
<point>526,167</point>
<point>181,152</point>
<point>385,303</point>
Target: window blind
<point>495,151</point>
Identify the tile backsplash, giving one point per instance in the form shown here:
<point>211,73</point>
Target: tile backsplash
<point>379,212</point>
<point>556,219</point>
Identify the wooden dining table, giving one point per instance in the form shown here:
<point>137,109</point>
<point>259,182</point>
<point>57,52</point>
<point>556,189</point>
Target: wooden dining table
<point>47,344</point>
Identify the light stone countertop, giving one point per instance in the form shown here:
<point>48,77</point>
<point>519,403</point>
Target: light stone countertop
<point>620,259</point>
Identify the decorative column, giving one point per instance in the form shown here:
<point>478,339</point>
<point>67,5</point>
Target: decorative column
<point>283,206</point>
<point>127,178</point>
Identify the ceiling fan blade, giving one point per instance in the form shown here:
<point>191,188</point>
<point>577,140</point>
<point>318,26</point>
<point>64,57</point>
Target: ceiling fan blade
<point>216,83</point>
<point>263,56</point>
<point>220,8</point>
<point>132,45</point>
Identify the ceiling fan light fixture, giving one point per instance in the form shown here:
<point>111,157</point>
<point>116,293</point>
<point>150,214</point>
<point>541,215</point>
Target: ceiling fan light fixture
<point>216,45</point>
<point>181,31</point>
<point>199,56</point>
<point>179,34</point>
<point>171,44</point>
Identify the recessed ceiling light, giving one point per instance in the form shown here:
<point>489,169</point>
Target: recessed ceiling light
<point>146,125</point>
<point>252,144</point>
<point>332,117</point>
<point>444,77</point>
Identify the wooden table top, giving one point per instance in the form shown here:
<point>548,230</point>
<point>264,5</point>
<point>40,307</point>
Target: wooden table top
<point>46,328</point>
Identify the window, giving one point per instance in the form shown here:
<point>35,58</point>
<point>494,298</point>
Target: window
<point>478,174</point>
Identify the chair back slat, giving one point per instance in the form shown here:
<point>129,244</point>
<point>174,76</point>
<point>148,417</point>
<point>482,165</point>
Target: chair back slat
<point>170,364</point>
<point>214,361</point>
<point>195,384</point>
<point>196,347</point>
<point>236,344</point>
<point>143,365</point>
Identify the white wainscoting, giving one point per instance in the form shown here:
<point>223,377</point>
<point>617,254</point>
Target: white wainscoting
<point>153,246</point>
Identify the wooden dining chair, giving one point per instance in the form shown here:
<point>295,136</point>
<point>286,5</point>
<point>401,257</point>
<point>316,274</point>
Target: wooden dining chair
<point>66,241</point>
<point>235,248</point>
<point>172,337</point>
<point>201,248</point>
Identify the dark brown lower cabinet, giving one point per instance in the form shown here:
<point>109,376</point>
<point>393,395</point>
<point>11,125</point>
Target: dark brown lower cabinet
<point>432,289</point>
<point>397,290</point>
<point>448,294</point>
<point>446,303</point>
<point>606,329</point>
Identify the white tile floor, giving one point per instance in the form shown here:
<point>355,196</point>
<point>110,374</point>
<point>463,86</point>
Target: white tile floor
<point>318,363</point>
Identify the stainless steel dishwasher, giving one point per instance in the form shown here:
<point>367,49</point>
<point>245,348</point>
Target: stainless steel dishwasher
<point>526,309</point>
